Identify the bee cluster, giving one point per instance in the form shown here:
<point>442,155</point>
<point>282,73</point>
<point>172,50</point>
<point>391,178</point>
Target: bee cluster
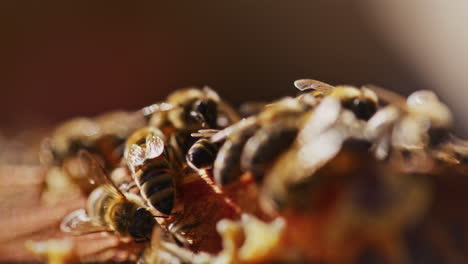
<point>325,176</point>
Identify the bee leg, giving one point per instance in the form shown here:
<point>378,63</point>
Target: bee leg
<point>178,213</point>
<point>266,145</point>
<point>128,187</point>
<point>143,240</point>
<point>160,216</point>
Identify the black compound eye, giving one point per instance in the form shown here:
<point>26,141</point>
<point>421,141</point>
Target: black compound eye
<point>362,108</point>
<point>205,111</point>
<point>201,107</point>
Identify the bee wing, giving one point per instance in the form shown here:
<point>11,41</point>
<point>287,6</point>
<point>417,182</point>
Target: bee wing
<point>239,126</point>
<point>309,84</point>
<point>151,109</point>
<point>97,173</point>
<point>210,93</point>
<point>387,96</point>
<point>78,223</point>
<point>136,156</point>
<point>154,146</point>
<point>205,133</point>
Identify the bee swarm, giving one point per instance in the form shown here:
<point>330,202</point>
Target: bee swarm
<point>336,174</point>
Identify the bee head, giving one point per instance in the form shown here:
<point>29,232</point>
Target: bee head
<point>142,224</point>
<point>362,102</point>
<point>363,108</point>
<point>205,111</point>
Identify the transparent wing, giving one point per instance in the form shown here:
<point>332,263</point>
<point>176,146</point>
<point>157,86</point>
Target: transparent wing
<point>78,223</point>
<point>151,109</point>
<point>205,133</point>
<point>239,126</point>
<point>309,84</point>
<point>154,146</point>
<point>210,93</point>
<point>387,96</point>
<point>96,172</point>
<point>136,156</point>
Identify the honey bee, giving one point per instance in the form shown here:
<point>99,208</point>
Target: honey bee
<point>153,165</point>
<point>103,135</point>
<point>185,199</point>
<point>329,172</point>
<point>416,129</point>
<point>108,209</point>
<point>188,110</point>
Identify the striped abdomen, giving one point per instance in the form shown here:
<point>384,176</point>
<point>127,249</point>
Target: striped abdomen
<point>226,168</point>
<point>156,182</point>
<point>202,154</point>
<point>266,145</point>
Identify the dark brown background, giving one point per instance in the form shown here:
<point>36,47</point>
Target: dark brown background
<point>65,59</point>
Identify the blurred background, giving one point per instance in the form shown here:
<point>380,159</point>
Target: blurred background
<point>61,59</point>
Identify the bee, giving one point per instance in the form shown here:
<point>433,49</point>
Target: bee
<point>255,142</point>
<point>330,171</point>
<point>154,166</point>
<point>188,110</point>
<point>415,130</point>
<point>108,209</point>
<point>103,135</point>
<point>185,199</point>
